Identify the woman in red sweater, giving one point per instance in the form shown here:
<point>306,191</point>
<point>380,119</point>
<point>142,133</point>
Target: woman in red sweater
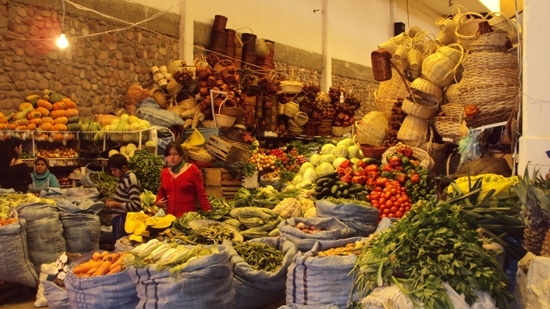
<point>181,184</point>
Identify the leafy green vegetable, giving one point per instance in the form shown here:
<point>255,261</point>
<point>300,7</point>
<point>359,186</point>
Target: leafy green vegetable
<point>147,168</point>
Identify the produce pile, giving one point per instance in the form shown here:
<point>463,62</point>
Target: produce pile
<point>259,255</point>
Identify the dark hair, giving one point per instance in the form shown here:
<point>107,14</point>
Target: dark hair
<point>8,152</point>
<point>38,159</point>
<point>117,160</point>
<point>176,146</point>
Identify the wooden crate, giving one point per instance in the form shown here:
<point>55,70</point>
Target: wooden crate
<point>212,176</point>
<point>227,150</point>
<point>228,180</point>
<point>229,191</point>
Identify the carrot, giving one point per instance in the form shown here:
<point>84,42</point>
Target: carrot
<point>118,262</point>
<point>85,267</point>
<point>103,269</point>
<point>115,270</point>
<point>113,257</point>
<point>92,271</point>
<point>104,254</point>
<point>83,275</point>
<point>96,256</point>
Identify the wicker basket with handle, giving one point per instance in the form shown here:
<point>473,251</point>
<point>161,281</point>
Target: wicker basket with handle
<point>224,121</point>
<point>426,111</point>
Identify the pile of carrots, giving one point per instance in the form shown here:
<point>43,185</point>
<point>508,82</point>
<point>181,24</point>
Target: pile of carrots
<point>101,263</point>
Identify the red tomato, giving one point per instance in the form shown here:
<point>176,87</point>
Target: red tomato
<point>393,209</point>
<point>399,214</point>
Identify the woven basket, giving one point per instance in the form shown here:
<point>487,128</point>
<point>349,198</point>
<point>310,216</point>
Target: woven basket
<point>453,109</point>
<point>301,118</point>
<point>295,132</point>
<point>484,93</point>
<point>496,111</point>
<point>291,87</point>
<point>200,155</point>
<point>340,131</point>
<point>440,67</point>
<point>413,130</point>
<point>188,103</point>
<point>492,41</point>
<point>291,108</point>
<point>371,129</point>
<point>224,121</point>
<point>233,111</point>
<point>178,109</point>
<point>425,160</point>
<point>467,27</point>
<point>372,151</point>
<point>427,89</point>
<point>489,60</point>
<point>392,89</point>
<point>499,22</point>
<point>415,57</point>
<point>383,106</point>
<point>447,29</point>
<point>448,127</point>
<point>418,110</point>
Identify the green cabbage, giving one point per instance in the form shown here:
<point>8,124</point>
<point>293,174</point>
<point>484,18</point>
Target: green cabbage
<point>348,141</point>
<point>327,149</point>
<point>324,168</point>
<point>340,151</point>
<point>297,179</point>
<point>328,158</point>
<point>315,159</point>
<point>304,167</point>
<point>310,174</point>
<point>355,152</point>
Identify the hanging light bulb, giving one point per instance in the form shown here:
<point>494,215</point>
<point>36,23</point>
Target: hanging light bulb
<point>62,41</point>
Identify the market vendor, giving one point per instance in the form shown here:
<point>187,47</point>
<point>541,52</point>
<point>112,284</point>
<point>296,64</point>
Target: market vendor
<point>181,184</point>
<point>14,173</point>
<point>42,179</point>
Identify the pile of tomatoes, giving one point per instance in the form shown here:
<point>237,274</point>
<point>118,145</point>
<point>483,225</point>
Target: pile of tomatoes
<point>391,198</point>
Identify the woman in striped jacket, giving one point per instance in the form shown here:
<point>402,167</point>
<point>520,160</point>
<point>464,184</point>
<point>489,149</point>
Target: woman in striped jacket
<point>126,198</point>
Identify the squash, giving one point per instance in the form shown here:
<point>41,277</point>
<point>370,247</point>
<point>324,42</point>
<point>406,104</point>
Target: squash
<point>71,112</point>
<point>59,106</point>
<point>35,121</point>
<point>70,103</point>
<point>3,126</point>
<point>32,98</point>
<point>21,127</point>
<point>74,126</point>
<point>55,97</point>
<point>34,114</point>
<point>21,122</point>
<point>25,106</point>
<point>105,119</point>
<point>3,119</point>
<point>31,126</point>
<point>58,137</point>
<point>62,120</point>
<point>56,113</point>
<point>12,126</point>
<point>74,119</point>
<point>43,111</point>
<point>46,126</point>
<point>60,127</point>
<point>2,115</point>
<point>48,120</point>
<point>43,103</point>
<point>21,115</point>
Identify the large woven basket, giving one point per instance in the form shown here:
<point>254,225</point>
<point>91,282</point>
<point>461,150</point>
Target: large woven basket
<point>497,111</point>
<point>291,108</point>
<point>489,60</point>
<point>208,124</point>
<point>384,105</point>
<point>224,121</point>
<point>233,111</point>
<point>392,89</point>
<point>441,66</point>
<point>371,129</point>
<point>427,89</point>
<point>492,41</point>
<point>200,155</point>
<point>372,151</point>
<point>484,93</point>
<point>301,118</point>
<point>423,111</point>
<point>448,127</point>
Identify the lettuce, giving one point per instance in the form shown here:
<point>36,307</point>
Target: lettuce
<point>324,168</point>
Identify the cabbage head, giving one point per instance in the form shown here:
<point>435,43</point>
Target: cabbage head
<point>355,152</point>
<point>297,179</point>
<point>340,151</point>
<point>324,168</point>
<point>336,163</point>
<point>327,149</point>
<point>310,174</point>
<point>328,158</point>
<point>315,159</point>
<point>348,141</point>
<point>304,167</point>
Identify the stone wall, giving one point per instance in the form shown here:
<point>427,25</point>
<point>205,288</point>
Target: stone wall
<point>96,70</point>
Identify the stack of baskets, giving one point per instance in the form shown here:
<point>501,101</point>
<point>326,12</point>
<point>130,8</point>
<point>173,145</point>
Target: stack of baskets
<point>448,126</point>
<point>490,80</point>
<point>183,106</point>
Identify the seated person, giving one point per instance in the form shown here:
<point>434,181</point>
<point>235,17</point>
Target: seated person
<point>42,179</point>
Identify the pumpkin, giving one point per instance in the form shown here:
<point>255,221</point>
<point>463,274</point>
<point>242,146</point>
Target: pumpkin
<point>43,103</point>
<point>25,106</point>
<point>43,111</point>
<point>21,122</point>
<point>12,126</point>
<point>34,114</point>
<point>31,126</point>
<point>21,127</point>
<point>59,106</point>
<point>60,127</point>
<point>58,137</point>
<point>3,119</point>
<point>35,121</point>
<point>62,120</point>
<point>2,115</point>
<point>56,113</point>
<point>71,112</point>
<point>48,120</point>
<point>3,126</point>
<point>46,126</point>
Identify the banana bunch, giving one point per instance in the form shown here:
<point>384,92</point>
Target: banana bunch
<point>503,186</point>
